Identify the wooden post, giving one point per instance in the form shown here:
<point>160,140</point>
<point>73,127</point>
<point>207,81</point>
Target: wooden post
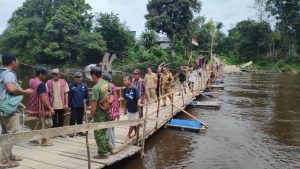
<point>144,130</point>
<point>182,97</point>
<point>201,83</point>
<point>87,137</point>
<point>157,114</point>
<point>172,109</point>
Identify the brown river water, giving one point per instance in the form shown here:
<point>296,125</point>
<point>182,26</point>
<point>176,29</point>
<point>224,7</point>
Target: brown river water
<point>257,127</point>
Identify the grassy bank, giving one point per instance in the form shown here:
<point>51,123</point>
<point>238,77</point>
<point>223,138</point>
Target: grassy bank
<point>279,66</point>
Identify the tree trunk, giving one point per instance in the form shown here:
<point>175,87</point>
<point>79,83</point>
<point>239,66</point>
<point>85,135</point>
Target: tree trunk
<point>173,53</point>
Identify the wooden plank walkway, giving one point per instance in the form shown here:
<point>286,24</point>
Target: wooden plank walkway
<point>70,153</point>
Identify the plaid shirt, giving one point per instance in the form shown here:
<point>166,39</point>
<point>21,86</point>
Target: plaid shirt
<point>140,84</point>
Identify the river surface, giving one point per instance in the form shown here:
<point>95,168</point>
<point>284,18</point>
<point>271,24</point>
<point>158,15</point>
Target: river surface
<point>257,127</point>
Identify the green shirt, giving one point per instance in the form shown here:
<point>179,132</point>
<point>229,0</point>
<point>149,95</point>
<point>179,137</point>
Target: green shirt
<point>100,90</point>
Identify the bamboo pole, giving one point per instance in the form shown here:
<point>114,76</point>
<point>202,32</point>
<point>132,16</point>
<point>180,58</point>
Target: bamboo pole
<point>182,97</point>
<point>87,137</point>
<point>157,113</point>
<point>172,107</point>
<point>204,124</point>
<point>144,130</point>
<point>207,97</point>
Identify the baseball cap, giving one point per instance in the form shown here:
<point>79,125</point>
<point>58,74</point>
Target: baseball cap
<point>77,74</point>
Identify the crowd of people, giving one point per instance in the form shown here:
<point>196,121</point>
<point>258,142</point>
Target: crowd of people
<point>48,100</point>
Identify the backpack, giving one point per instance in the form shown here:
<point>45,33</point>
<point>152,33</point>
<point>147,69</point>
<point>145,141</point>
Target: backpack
<point>106,102</point>
<point>10,103</point>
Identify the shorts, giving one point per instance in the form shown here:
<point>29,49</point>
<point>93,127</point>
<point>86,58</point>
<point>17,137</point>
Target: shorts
<point>133,116</point>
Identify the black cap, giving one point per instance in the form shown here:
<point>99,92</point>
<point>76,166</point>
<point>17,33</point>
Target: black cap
<point>40,70</point>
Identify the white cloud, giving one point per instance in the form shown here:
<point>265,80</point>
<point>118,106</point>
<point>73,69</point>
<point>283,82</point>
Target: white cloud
<point>132,11</point>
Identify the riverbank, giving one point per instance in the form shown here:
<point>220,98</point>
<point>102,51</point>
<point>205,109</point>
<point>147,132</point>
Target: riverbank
<point>279,66</point>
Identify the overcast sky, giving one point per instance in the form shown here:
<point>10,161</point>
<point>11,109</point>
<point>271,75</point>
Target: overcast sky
<point>132,12</point>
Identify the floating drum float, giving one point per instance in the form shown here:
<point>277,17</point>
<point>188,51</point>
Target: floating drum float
<point>219,81</point>
<point>210,94</point>
<point>218,86</point>
<point>206,104</point>
<point>186,124</point>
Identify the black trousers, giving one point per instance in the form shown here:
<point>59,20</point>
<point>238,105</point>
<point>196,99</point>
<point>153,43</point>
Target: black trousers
<point>58,118</point>
<point>76,116</point>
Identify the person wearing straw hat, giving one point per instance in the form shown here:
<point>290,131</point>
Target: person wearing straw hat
<point>77,94</point>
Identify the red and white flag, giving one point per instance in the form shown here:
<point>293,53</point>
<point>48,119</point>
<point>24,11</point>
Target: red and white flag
<point>194,42</point>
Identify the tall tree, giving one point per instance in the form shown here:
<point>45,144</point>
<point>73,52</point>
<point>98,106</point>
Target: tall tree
<point>249,40</point>
<point>116,34</point>
<point>148,38</point>
<point>287,14</point>
<point>171,16</point>
<point>49,31</point>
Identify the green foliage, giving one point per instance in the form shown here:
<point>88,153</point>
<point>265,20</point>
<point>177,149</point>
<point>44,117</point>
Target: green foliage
<point>286,13</point>
<point>249,40</point>
<point>170,17</point>
<point>148,38</point>
<point>51,31</point>
<point>117,36</point>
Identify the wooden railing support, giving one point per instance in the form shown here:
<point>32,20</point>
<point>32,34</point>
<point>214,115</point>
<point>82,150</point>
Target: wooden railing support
<point>144,130</point>
<point>157,112</point>
<point>172,108</point>
<point>182,97</point>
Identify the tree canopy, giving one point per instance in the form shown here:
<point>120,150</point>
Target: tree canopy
<point>52,31</point>
<point>171,16</point>
<point>117,36</point>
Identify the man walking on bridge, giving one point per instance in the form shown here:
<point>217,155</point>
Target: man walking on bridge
<point>151,82</point>
<point>100,107</point>
<point>133,102</point>
<point>166,80</point>
<point>141,86</point>
<point>10,98</point>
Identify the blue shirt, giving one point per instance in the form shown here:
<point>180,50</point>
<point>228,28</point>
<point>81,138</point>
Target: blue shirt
<point>132,96</point>
<point>77,93</point>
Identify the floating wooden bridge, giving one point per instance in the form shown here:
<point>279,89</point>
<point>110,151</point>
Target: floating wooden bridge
<point>70,153</point>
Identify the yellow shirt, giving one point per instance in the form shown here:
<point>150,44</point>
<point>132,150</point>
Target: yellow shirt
<point>150,80</point>
<point>58,103</point>
<point>166,80</point>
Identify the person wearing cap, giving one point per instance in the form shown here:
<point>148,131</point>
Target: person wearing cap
<point>100,111</point>
<point>58,96</point>
<point>38,104</point>
<point>77,95</point>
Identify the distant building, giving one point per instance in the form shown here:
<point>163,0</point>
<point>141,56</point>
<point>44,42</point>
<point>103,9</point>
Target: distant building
<point>164,42</point>
<point>133,33</point>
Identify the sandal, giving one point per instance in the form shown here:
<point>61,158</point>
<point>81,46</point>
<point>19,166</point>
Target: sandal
<point>10,164</point>
<point>15,158</point>
<point>100,156</point>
